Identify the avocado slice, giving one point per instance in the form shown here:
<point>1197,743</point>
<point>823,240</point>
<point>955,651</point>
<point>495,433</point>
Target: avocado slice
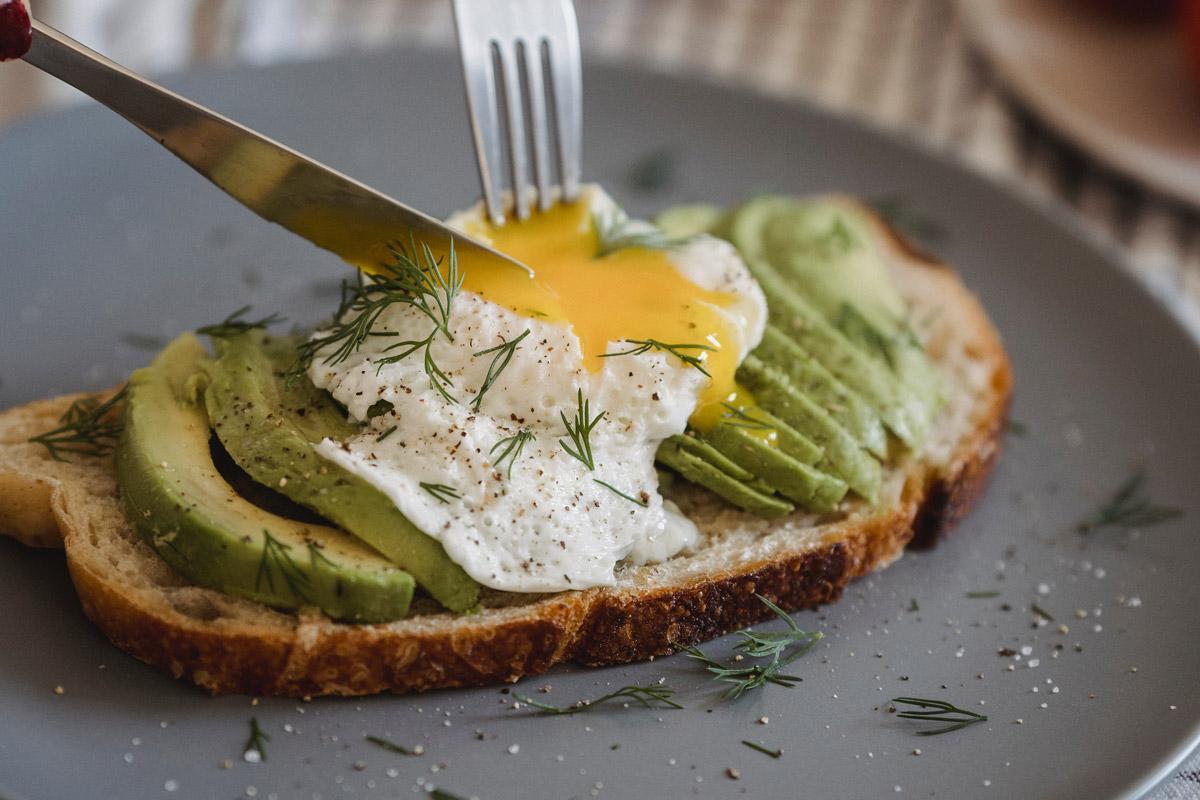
<point>681,456</point>
<point>269,428</point>
<point>843,456</point>
<point>679,222</point>
<point>823,388</point>
<point>827,253</point>
<point>902,410</point>
<point>182,507</point>
<point>795,480</point>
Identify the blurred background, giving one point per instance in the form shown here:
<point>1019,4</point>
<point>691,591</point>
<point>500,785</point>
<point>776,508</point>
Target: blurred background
<point>1093,103</point>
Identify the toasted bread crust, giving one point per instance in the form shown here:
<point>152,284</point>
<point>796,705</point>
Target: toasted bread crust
<point>226,645</point>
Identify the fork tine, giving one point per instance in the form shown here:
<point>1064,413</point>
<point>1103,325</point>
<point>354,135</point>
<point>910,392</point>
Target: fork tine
<point>505,56</point>
<point>521,64</point>
<point>530,58</point>
<point>479,76</point>
<point>566,81</point>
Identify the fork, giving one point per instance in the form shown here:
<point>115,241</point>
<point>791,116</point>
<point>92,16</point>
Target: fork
<point>524,86</point>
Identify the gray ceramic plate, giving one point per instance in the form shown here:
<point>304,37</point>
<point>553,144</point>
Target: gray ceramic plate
<point>109,246</point>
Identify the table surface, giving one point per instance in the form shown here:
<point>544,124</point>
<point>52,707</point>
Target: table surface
<point>902,64</point>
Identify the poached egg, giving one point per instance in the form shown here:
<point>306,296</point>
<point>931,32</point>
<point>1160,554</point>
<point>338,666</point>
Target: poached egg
<point>539,518</point>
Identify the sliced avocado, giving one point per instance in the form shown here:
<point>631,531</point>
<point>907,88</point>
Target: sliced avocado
<point>902,410</point>
<point>823,388</point>
<point>795,480</point>
<point>822,248</point>
<point>680,222</point>
<point>183,508</point>
<point>827,252</point>
<point>682,458</point>
<point>269,428</point>
<point>758,421</point>
<point>843,455</point>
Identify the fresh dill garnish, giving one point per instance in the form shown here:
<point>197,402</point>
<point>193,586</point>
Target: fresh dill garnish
<point>144,341</point>
<point>616,231</point>
<point>1129,507</point>
<point>234,324</point>
<point>652,172</point>
<point>441,492</point>
<point>651,696</point>
<point>510,448</point>
<point>677,350</point>
<point>503,354</point>
<point>912,605</point>
<point>738,418</point>
<point>580,430</point>
<point>1014,427</point>
<point>937,711</point>
<point>386,433</point>
<point>414,278</point>
<point>1041,612</point>
<point>256,744</point>
<point>276,559</point>
<point>619,493</point>
<point>379,408</point>
<point>776,753</point>
<point>391,747</point>
<point>88,428</point>
<point>901,214</point>
<point>762,645</point>
<point>442,794</point>
<point>982,595</point>
<point>439,381</point>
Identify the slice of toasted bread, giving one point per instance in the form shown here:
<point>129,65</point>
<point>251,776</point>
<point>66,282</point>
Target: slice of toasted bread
<point>224,644</point>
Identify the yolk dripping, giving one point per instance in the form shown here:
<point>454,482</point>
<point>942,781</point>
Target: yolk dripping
<point>634,293</point>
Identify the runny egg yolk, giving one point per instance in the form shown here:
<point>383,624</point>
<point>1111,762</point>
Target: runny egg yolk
<point>635,293</point>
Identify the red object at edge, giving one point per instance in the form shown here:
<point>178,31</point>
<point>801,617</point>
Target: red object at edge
<point>16,31</point>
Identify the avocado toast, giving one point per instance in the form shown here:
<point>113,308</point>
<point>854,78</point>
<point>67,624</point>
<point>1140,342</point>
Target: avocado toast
<point>818,512</point>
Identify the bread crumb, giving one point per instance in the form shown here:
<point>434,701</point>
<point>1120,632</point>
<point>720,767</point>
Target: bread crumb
<point>59,689</point>
<point>733,773</point>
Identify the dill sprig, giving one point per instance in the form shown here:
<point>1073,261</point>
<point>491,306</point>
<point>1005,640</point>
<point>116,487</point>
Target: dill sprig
<point>619,493</point>
<point>276,559</point>
<point>982,595</point>
<point>386,433</point>
<point>414,278</point>
<point>1041,612</point>
<point>677,350</point>
<point>776,753</point>
<point>738,418</point>
<point>510,448</point>
<point>503,354</point>
<point>442,794</point>
<point>439,381</point>
<point>88,428</point>
<point>651,696</point>
<point>616,231</point>
<point>234,324</point>
<point>441,492</point>
<point>763,645</point>
<point>390,746</point>
<point>1129,507</point>
<point>937,711</point>
<point>256,744</point>
<point>580,430</point>
<point>901,214</point>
